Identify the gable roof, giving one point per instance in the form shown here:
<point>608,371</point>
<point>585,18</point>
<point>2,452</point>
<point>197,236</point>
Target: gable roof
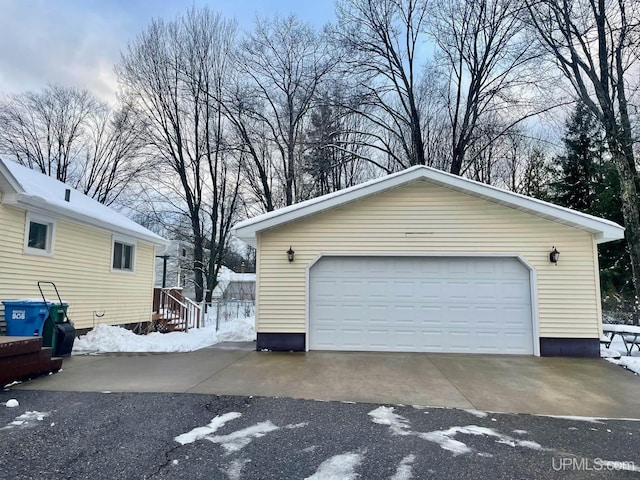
<point>29,189</point>
<point>604,230</point>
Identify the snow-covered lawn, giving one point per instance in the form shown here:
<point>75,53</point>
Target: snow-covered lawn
<point>109,339</point>
<point>617,354</point>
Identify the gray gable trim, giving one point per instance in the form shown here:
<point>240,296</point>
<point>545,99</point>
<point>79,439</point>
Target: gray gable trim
<point>603,230</point>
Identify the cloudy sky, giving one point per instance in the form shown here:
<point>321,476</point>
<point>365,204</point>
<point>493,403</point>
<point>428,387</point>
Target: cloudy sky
<point>77,42</point>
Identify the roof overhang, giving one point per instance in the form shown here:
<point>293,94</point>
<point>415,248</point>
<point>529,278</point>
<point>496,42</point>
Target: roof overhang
<point>603,230</point>
<point>9,186</point>
<point>40,205</point>
<point>14,194</point>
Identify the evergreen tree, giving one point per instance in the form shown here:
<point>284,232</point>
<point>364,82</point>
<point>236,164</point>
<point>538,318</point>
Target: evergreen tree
<point>584,149</point>
<point>589,183</point>
<point>537,176</point>
<point>320,161</point>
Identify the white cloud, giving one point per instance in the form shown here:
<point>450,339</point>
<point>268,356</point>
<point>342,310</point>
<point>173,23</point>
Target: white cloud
<point>78,42</point>
<point>51,42</point>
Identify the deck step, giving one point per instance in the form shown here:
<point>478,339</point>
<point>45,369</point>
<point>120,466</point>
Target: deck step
<point>24,357</point>
<point>10,346</point>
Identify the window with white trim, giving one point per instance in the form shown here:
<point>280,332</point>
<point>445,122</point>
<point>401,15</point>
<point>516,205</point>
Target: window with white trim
<point>38,235</point>
<point>123,256</point>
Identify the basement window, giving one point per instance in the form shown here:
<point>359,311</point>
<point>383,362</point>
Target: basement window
<point>123,258</point>
<point>39,235</point>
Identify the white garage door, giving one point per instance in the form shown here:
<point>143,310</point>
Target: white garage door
<point>421,304</point>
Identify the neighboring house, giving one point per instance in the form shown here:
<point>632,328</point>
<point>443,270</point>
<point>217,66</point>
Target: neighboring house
<point>425,261</point>
<point>179,268</point>
<point>101,261</point>
<point>234,286</point>
<point>242,286</point>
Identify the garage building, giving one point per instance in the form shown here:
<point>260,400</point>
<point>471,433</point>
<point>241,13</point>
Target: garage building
<point>425,261</point>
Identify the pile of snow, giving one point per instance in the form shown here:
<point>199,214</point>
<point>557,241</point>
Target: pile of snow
<point>12,403</point>
<point>608,352</point>
<point>617,353</point>
<point>110,339</point>
<point>632,363</point>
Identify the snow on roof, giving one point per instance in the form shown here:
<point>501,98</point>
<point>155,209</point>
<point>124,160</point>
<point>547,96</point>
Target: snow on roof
<point>34,190</point>
<point>604,230</point>
<point>242,277</point>
<point>226,276</point>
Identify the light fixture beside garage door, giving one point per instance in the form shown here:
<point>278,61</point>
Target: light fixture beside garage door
<point>554,256</point>
<point>290,254</point>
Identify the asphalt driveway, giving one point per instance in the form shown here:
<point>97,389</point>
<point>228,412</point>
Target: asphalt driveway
<point>514,384</point>
<point>70,435</point>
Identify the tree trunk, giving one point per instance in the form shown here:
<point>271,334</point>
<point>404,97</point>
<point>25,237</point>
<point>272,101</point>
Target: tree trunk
<point>631,215</point>
<point>198,265</point>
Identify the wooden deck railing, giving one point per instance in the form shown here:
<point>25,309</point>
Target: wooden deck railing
<point>175,311</point>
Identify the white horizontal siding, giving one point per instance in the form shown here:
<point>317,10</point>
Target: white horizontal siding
<point>423,218</point>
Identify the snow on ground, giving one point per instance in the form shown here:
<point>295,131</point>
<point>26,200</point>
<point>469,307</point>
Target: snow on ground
<point>234,471</point>
<point>201,432</point>
<point>399,425</point>
<point>617,349</point>
<point>239,439</point>
<point>338,467</point>
<point>109,339</point>
<point>476,413</point>
<point>576,418</point>
<point>27,419</point>
<point>385,416</point>
<point>12,403</point>
<point>632,363</point>
<point>234,441</point>
<point>404,471</point>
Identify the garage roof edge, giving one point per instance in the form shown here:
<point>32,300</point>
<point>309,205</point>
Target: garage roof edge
<point>604,230</point>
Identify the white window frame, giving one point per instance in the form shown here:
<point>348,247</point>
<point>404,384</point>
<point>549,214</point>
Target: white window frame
<point>134,253</point>
<point>51,235</point>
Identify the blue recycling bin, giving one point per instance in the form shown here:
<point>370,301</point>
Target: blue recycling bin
<point>25,318</point>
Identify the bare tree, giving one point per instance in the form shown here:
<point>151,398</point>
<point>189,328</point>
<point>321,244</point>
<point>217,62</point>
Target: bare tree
<point>68,134</point>
<point>43,130</point>
<point>284,61</point>
<point>252,133</point>
<point>484,56</point>
<point>382,40</point>
<point>336,148</point>
<point>168,73</point>
<point>113,157</point>
<point>595,45</point>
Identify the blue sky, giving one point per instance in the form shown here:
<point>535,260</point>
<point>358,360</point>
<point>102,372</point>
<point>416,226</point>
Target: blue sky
<point>77,42</point>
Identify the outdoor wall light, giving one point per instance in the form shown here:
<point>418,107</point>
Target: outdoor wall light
<point>290,254</point>
<point>554,255</point>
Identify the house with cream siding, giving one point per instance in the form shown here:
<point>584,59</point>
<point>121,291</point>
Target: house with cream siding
<point>425,261</point>
<point>101,261</point>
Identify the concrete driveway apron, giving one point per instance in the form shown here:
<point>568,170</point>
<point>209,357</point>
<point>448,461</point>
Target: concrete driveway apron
<point>516,384</point>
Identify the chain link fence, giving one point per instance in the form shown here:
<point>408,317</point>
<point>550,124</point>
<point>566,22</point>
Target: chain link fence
<point>223,311</point>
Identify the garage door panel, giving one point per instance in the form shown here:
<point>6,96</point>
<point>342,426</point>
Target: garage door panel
<point>429,267</point>
<point>457,267</point>
<point>485,267</point>
<point>432,304</point>
<point>431,340</point>
<point>430,290</point>
<point>377,290</point>
<point>484,290</point>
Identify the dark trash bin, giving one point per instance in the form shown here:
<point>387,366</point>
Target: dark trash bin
<point>25,318</point>
<point>58,331</point>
